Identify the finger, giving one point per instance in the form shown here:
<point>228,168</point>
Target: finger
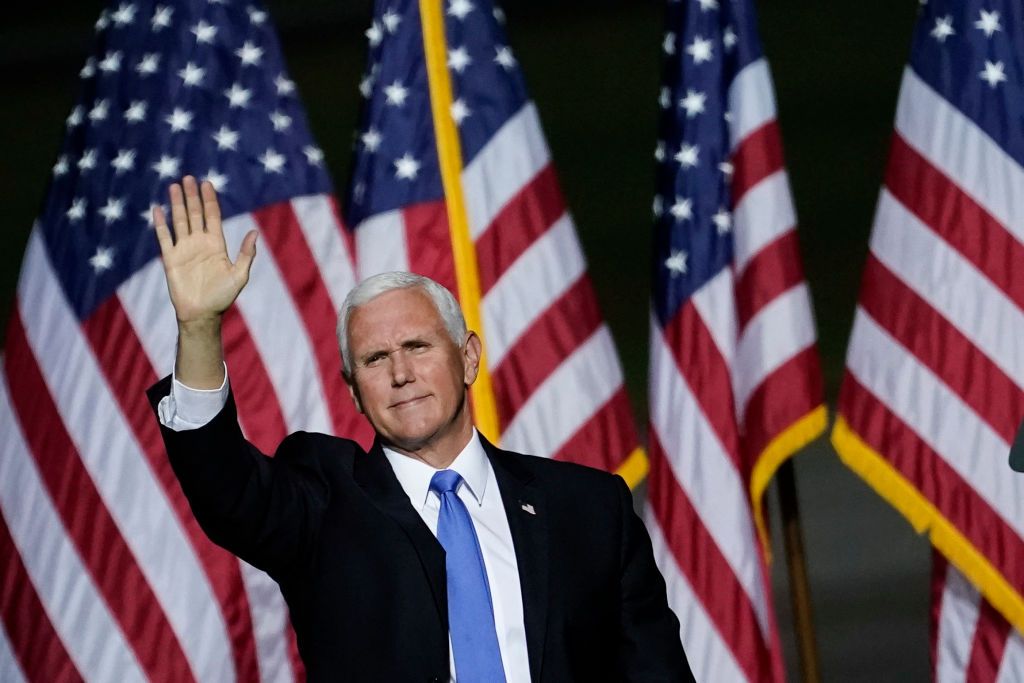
<point>178,216</point>
<point>246,254</point>
<point>163,234</point>
<point>211,208</point>
<point>193,203</point>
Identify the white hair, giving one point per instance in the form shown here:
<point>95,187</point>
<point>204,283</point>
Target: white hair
<point>372,287</point>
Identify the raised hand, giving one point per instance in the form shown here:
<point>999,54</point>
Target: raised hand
<point>201,278</point>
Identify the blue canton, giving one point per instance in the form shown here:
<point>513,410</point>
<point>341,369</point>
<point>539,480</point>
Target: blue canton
<point>972,53</point>
<point>196,87</point>
<point>395,160</point>
<point>707,42</point>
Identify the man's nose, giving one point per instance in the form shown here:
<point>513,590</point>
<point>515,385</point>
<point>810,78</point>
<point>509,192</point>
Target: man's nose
<point>401,370</point>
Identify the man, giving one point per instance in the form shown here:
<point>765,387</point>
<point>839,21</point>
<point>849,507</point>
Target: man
<point>435,556</point>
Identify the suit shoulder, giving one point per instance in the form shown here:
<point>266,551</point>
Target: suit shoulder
<point>560,472</point>
<point>328,450</point>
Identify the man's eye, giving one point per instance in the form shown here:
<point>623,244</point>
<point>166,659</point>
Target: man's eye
<point>374,360</point>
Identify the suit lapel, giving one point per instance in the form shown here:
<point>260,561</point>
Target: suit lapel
<point>526,511</point>
<point>374,475</point>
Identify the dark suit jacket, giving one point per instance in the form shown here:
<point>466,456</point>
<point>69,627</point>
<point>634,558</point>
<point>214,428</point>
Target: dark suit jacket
<point>364,577</point>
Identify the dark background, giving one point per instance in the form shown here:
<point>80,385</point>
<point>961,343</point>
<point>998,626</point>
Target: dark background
<point>592,67</point>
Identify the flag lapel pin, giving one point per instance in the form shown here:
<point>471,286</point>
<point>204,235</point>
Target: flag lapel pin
<point>529,508</point>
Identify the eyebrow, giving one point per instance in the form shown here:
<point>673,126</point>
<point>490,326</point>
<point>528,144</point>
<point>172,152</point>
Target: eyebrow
<point>405,343</point>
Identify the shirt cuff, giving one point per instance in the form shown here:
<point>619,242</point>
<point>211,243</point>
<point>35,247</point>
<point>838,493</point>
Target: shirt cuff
<point>187,408</point>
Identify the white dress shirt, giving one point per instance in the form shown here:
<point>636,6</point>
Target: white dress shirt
<point>186,408</point>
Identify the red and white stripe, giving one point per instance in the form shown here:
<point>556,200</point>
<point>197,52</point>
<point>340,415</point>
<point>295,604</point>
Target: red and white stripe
<point>556,376</point>
<point>106,574</point>
<point>935,371</point>
<point>734,368</point>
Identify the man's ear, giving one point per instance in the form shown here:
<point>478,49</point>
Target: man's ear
<point>471,353</point>
<point>353,392</point>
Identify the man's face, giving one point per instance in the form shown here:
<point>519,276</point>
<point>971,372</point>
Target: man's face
<point>408,377</point>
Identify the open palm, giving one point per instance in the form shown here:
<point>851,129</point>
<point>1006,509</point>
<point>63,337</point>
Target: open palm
<point>201,278</point>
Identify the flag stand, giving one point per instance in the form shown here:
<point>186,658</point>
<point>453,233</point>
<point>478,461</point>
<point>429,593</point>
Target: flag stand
<point>800,593</point>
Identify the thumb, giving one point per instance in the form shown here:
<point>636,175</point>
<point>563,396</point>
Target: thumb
<point>246,253</point>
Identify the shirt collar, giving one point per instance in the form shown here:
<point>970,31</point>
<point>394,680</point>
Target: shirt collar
<point>415,475</point>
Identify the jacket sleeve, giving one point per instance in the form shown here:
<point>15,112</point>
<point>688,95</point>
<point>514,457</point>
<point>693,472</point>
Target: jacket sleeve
<point>650,649</point>
<point>265,510</point>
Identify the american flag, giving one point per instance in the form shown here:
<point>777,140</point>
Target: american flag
<point>934,385</point>
<point>453,179</point>
<point>106,576</point>
<point>735,383</point>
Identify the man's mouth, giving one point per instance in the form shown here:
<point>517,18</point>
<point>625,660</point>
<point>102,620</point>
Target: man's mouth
<point>408,402</point>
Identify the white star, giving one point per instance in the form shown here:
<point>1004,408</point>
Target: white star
<point>693,103</point>
<point>396,94</point>
<point>218,180</point>
<point>148,64</point>
<point>226,138</point>
<point>366,85</point>
<point>391,21</point>
<point>499,15</point>
<point>371,140</point>
<point>75,117</point>
<point>161,17</point>
<point>167,167</point>
<point>722,221</point>
<point>314,155</point>
<point>77,210</point>
<point>98,111</point>
<point>124,161</point>
<point>111,62</point>
<point>250,54</point>
<point>726,168</point>
<point>102,260</point>
<point>280,120</point>
<point>700,50</point>
<point>192,74</point>
<point>179,120</point>
<point>61,167</point>
<point>503,56</point>
<point>729,38</point>
<point>668,44</point>
<point>112,210</point>
<point>682,209</point>
<point>124,15</point>
<point>406,167</point>
<point>238,96</point>
<point>89,70</point>
<point>284,85</point>
<point>988,23</point>
<point>135,112</point>
<point>458,59</point>
<point>459,111</point>
<point>993,74</point>
<point>687,155</point>
<point>204,32</point>
<point>706,5</point>
<point>147,215</point>
<point>374,34</point>
<point>459,8</point>
<point>659,151</point>
<point>103,21</point>
<point>676,263</point>
<point>943,28</point>
<point>665,97</point>
<point>272,161</point>
<point>657,206</point>
<point>256,16</point>
<point>88,160</point>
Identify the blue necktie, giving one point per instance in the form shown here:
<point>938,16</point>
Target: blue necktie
<point>470,611</point>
